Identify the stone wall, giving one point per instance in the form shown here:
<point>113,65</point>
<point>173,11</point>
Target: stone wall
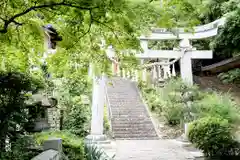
<point>54,118</point>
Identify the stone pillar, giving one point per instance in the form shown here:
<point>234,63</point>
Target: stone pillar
<point>186,62</point>
<point>97,110</point>
<point>186,69</point>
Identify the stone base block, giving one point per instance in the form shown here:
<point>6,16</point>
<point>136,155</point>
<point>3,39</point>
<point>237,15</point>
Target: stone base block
<point>95,139</point>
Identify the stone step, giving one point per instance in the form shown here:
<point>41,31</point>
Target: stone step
<point>140,132</point>
<point>125,100</point>
<point>135,129</point>
<point>127,104</point>
<point>129,111</point>
<point>129,123</point>
<point>129,116</point>
<point>132,125</point>
<point>129,108</point>
<point>138,138</point>
<point>133,136</point>
<point>133,119</point>
<point>123,95</point>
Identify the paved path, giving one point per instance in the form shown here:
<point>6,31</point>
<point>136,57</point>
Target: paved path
<point>151,150</point>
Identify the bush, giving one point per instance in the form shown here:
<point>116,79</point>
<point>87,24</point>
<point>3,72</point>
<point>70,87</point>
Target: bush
<point>175,96</point>
<point>21,149</point>
<point>69,92</point>
<point>218,106</point>
<point>14,90</point>
<point>77,120</point>
<point>173,112</point>
<point>93,152</point>
<point>154,102</point>
<point>73,147</point>
<point>213,136</point>
<point>232,76</point>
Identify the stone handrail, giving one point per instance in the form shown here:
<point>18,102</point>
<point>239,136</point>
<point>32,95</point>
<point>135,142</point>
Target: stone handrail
<point>108,105</point>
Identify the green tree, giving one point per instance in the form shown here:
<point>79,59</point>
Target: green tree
<point>14,88</point>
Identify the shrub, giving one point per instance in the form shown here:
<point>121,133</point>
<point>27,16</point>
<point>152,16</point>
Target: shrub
<point>232,76</point>
<point>71,94</point>
<point>93,152</point>
<point>14,90</point>
<point>73,147</point>
<point>21,149</point>
<point>154,102</point>
<point>177,91</point>
<point>141,84</point>
<point>218,106</point>
<point>175,96</point>
<point>77,119</point>
<point>173,112</point>
<point>213,136</point>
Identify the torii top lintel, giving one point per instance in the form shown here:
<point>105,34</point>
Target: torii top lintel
<point>199,32</point>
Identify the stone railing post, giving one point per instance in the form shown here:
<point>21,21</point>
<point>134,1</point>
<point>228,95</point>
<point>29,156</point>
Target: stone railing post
<point>118,70</point>
<point>154,72</point>
<point>128,74</point>
<point>113,69</point>
<point>144,75</point>
<point>136,75</point>
<point>123,73</point>
<point>173,70</point>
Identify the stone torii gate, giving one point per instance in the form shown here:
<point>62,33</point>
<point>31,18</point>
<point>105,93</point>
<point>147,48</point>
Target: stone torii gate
<point>186,52</point>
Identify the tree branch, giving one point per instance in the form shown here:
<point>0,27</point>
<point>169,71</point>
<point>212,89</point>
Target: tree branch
<point>17,23</point>
<point>88,30</point>
<point>12,19</point>
<point>112,30</point>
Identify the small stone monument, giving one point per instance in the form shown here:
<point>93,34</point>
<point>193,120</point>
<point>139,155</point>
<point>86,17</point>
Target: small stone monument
<point>39,117</point>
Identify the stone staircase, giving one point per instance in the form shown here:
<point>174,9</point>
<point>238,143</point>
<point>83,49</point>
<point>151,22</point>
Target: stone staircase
<point>129,116</point>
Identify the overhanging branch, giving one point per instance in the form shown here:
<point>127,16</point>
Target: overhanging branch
<point>13,18</point>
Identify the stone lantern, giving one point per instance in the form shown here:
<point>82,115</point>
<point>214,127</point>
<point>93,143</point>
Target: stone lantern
<point>38,112</point>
